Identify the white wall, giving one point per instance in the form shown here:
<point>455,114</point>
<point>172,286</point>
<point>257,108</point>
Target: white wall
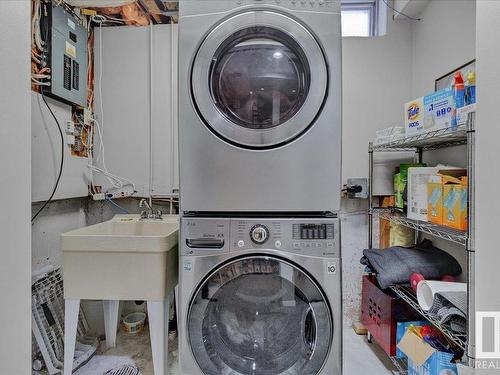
<point>487,155</point>
<point>443,40</point>
<point>15,153</point>
<point>376,83</point>
<point>126,101</point>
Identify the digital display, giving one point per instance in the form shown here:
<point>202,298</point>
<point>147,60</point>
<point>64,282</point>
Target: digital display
<point>313,231</point>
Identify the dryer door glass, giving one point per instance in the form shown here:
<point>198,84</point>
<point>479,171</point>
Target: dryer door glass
<point>259,315</point>
<point>259,79</point>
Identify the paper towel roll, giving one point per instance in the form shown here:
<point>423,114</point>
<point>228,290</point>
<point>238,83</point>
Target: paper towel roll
<point>426,290</point>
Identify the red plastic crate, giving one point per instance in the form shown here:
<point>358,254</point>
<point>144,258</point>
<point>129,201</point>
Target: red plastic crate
<point>380,311</point>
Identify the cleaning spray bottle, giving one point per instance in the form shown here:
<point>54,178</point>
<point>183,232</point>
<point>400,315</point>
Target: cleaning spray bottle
<point>470,89</point>
<point>459,96</point>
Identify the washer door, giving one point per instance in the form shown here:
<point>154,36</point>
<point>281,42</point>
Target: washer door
<point>259,315</point>
<point>259,79</point>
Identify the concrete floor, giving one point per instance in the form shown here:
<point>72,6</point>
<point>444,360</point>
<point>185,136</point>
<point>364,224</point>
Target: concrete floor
<point>359,356</point>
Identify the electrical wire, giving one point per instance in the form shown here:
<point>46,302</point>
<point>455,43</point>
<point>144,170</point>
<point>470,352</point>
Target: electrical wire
<point>116,181</point>
<point>61,167</point>
<point>117,205</point>
<point>398,12</point>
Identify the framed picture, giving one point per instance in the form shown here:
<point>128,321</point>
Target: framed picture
<point>446,81</point>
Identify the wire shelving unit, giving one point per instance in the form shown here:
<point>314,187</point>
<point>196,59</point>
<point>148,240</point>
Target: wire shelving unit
<point>462,135</point>
<point>446,233</point>
<point>400,364</point>
<point>408,295</point>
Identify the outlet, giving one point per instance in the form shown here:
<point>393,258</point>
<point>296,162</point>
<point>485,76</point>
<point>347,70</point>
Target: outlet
<point>119,194</point>
<point>358,187</point>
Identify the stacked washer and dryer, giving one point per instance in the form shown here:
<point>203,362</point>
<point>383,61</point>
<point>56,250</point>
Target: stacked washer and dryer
<point>260,176</point>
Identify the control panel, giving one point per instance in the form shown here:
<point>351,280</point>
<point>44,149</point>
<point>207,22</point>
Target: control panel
<point>313,231</point>
<point>312,236</point>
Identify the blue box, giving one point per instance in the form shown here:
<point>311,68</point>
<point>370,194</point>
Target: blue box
<point>401,330</point>
<point>423,359</point>
<point>438,364</point>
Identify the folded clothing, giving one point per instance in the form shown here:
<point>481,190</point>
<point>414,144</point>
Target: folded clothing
<point>450,308</point>
<point>395,265</point>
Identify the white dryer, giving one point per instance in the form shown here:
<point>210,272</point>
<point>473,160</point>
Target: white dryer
<point>260,296</point>
<point>260,105</point>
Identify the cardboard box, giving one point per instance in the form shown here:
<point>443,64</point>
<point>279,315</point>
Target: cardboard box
<point>400,184</point>
<point>423,359</point>
<point>455,204</point>
<point>429,113</point>
<point>417,191</point>
<point>435,192</point>
<point>439,110</point>
<point>414,117</point>
<point>463,113</point>
<point>401,328</point>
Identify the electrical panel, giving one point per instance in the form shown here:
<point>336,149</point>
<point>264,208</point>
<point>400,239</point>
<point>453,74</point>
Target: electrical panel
<point>68,51</point>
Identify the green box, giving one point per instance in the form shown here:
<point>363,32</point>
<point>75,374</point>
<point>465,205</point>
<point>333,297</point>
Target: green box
<point>400,181</point>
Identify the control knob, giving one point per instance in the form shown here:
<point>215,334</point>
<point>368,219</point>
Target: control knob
<point>259,234</point>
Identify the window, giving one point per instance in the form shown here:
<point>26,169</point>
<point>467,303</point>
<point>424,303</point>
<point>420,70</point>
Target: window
<point>359,18</point>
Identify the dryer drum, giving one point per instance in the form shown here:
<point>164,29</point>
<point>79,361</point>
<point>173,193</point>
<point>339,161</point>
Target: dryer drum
<point>260,314</point>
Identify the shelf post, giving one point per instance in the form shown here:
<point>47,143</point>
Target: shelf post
<point>370,195</point>
<point>471,246</point>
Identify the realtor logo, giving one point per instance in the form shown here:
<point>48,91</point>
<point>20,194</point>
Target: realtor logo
<point>487,335</point>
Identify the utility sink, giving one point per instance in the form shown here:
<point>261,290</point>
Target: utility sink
<point>125,258</point>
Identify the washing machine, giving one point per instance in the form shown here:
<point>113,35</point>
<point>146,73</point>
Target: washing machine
<point>260,296</point>
<point>260,105</point>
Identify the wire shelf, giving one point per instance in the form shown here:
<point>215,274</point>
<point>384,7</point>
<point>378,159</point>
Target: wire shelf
<point>427,141</point>
<point>440,231</point>
<point>47,309</point>
<point>401,365</point>
<point>408,295</point>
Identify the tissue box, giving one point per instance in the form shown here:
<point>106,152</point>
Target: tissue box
<point>455,204</point>
<point>423,359</point>
<point>429,113</point>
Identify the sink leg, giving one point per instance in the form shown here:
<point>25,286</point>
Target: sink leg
<point>110,321</point>
<point>71,311</point>
<point>158,315</point>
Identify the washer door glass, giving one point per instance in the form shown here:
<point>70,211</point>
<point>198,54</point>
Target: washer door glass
<point>259,315</point>
<point>259,79</point>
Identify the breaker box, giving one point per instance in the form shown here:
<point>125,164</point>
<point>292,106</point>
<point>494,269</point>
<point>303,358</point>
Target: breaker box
<point>68,57</point>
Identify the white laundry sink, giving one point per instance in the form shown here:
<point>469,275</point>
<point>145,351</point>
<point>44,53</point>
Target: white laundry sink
<point>125,258</point>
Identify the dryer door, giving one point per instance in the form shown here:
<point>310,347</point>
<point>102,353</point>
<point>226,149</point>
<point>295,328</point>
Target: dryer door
<point>259,79</point>
<point>259,315</point>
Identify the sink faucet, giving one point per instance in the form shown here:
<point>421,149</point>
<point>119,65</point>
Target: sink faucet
<point>149,213</point>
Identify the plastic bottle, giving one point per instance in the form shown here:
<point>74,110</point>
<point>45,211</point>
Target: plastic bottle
<point>470,89</point>
<point>459,96</point>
